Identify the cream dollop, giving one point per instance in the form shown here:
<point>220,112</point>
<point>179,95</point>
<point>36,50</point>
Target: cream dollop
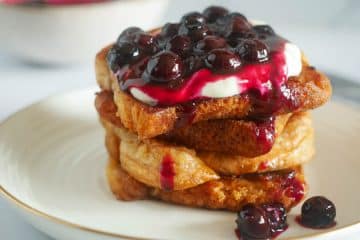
<point>232,85</point>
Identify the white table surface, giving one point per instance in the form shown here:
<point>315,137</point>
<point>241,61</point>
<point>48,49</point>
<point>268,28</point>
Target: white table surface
<point>22,84</point>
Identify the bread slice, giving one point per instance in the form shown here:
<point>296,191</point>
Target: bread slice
<point>142,159</point>
<point>230,136</point>
<point>294,146</point>
<point>287,187</point>
<point>310,90</point>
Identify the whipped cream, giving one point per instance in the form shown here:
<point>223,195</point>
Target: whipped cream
<point>204,84</point>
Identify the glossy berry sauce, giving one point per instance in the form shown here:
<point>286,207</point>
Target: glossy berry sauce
<point>261,78</point>
<point>289,185</point>
<point>177,65</point>
<point>167,173</point>
<point>265,132</point>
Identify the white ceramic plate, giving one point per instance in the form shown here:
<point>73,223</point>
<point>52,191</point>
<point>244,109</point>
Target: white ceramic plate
<point>52,169</point>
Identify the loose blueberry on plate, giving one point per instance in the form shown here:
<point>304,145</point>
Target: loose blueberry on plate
<point>164,67</point>
<point>277,216</point>
<point>261,222</point>
<point>252,223</point>
<point>318,212</point>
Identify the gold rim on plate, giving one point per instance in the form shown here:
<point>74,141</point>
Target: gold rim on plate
<point>24,206</point>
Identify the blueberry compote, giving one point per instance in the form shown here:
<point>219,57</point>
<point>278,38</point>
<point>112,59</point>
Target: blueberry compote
<point>167,173</point>
<point>265,221</point>
<point>289,185</point>
<point>213,49</point>
<point>317,212</point>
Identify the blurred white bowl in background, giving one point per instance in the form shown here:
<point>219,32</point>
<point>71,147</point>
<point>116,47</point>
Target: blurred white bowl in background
<point>72,33</point>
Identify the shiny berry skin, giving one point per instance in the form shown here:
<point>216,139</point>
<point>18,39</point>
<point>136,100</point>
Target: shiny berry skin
<point>252,223</point>
<point>129,34</point>
<point>122,54</point>
<point>180,45</point>
<point>276,215</point>
<point>210,43</point>
<point>193,20</point>
<point>193,63</point>
<point>236,38</point>
<point>169,30</point>
<point>233,23</point>
<point>222,61</point>
<point>195,34</point>
<point>146,42</point>
<point>212,13</point>
<point>253,50</point>
<point>265,30</point>
<point>318,212</point>
<point>164,67</point>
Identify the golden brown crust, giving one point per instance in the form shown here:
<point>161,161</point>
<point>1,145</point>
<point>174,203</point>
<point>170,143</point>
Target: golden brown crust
<point>225,136</point>
<point>231,136</point>
<point>226,193</point>
<point>294,146</point>
<point>141,158</point>
<point>311,89</point>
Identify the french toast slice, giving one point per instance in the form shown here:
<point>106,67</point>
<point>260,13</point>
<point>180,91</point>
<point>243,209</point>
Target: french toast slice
<point>287,187</point>
<point>295,146</point>
<point>309,90</point>
<point>232,136</point>
<point>143,159</point>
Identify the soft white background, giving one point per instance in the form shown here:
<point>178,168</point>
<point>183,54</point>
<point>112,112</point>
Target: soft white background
<point>328,32</point>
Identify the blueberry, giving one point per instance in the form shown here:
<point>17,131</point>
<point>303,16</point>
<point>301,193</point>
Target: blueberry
<point>253,50</point>
<point>195,33</point>
<point>212,13</point>
<point>193,20</point>
<point>276,215</point>
<point>252,223</point>
<point>235,38</point>
<point>169,30</point>
<point>164,67</point>
<point>231,24</point>
<point>122,54</point>
<point>129,34</point>
<point>180,45</point>
<point>210,43</point>
<point>318,212</point>
<point>146,42</point>
<point>222,61</point>
<point>193,63</point>
<point>264,30</point>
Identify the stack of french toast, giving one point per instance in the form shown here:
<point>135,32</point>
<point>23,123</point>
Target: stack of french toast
<point>211,112</point>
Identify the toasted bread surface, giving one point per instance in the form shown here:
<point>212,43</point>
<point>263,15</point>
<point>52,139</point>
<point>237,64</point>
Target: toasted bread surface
<point>142,158</point>
<point>225,193</point>
<point>231,136</point>
<point>310,90</point>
